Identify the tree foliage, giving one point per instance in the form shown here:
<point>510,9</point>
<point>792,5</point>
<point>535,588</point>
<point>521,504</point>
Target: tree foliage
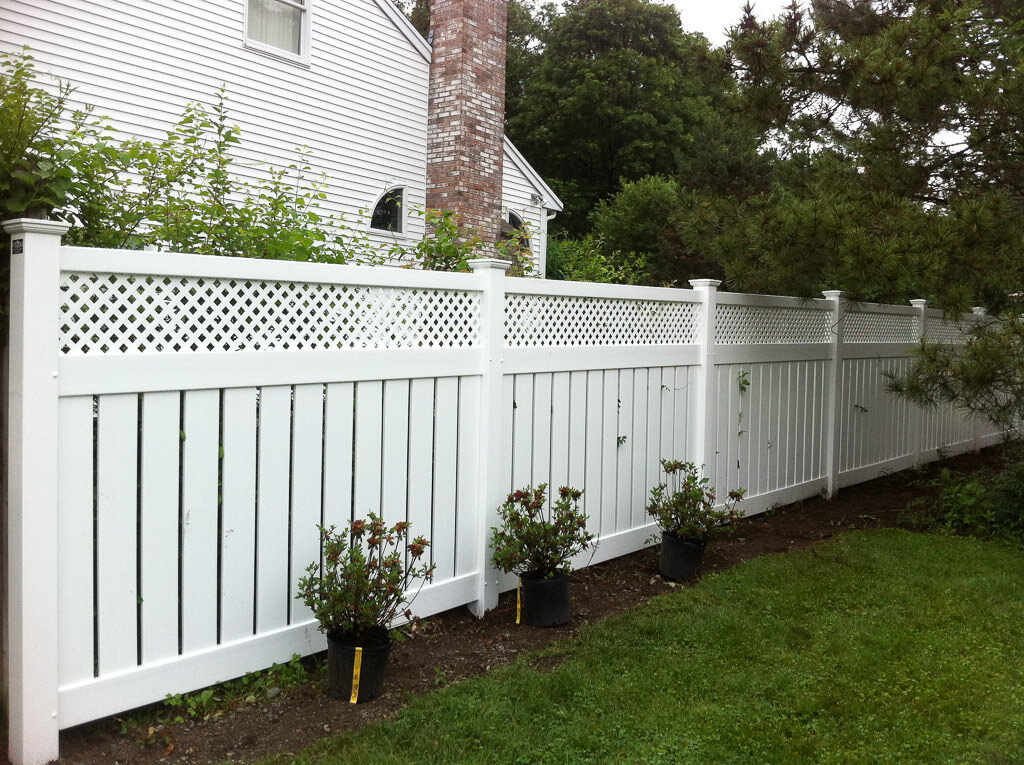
<point>614,90</point>
<point>984,375</point>
<point>898,129</point>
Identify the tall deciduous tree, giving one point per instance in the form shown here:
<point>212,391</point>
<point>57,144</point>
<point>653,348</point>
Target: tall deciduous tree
<point>614,92</point>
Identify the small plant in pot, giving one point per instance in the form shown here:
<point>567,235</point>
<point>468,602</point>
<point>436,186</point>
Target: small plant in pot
<point>684,509</point>
<point>538,546</point>
<point>358,590</point>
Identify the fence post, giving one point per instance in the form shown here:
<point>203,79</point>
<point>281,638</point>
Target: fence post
<point>918,413</point>
<point>979,312</point>
<point>491,450</point>
<point>834,392</point>
<point>706,418</point>
<point>31,621</point>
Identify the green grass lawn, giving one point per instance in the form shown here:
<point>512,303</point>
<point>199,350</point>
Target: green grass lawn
<point>882,646</point>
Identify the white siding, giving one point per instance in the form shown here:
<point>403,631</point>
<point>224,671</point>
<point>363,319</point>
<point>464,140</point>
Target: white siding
<point>516,193</point>
<point>360,105</point>
<point>525,193</point>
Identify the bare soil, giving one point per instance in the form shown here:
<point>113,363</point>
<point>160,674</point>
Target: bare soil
<point>454,646</point>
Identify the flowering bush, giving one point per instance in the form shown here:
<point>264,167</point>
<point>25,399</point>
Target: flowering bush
<point>363,582</point>
<point>685,504</point>
<point>532,545</point>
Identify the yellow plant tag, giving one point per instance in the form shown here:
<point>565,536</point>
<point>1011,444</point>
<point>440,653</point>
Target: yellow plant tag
<point>357,665</point>
<point>519,600</point>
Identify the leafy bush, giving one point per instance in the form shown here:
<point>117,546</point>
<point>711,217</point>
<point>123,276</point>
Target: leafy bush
<point>447,246</point>
<point>538,545</point>
<point>684,505</point>
<point>986,506</point>
<point>584,260</point>
<point>41,145</point>
<point>365,577</point>
<point>182,194</point>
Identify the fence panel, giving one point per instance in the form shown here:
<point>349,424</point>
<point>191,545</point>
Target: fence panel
<point>772,355</point>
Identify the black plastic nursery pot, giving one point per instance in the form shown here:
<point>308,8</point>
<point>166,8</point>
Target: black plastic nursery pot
<point>356,671</point>
<point>680,558</point>
<point>545,601</point>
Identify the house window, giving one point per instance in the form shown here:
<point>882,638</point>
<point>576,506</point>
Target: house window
<point>279,25</point>
<point>387,213</point>
<point>514,227</point>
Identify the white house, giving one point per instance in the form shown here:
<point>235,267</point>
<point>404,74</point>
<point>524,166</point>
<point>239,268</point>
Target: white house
<point>350,80</point>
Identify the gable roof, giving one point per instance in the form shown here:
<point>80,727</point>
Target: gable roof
<point>549,200</point>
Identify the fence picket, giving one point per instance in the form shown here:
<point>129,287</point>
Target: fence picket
<point>656,424</point>
<point>159,494</point>
<point>609,451</point>
<point>117,532</point>
<point>199,519</point>
<point>238,514</point>
<point>421,456</point>
<point>369,423</point>
<point>395,456</point>
<point>540,468</point>
<point>339,424</point>
<point>273,466</point>
<point>624,441</point>
<point>641,427</point>
<point>446,447</point>
<point>576,445</point>
<point>593,438</point>
<point>306,488</point>
<point>558,462</point>
<point>75,539</point>
<point>467,518</point>
<point>522,432</point>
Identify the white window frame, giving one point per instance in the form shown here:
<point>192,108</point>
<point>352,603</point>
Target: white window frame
<point>403,216</point>
<point>532,237</point>
<point>302,57</point>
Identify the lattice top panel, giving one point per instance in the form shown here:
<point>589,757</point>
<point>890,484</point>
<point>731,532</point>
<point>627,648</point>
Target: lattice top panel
<point>942,330</point>
<point>764,325</point>
<point>105,313</point>
<point>555,320</point>
<point>869,327</point>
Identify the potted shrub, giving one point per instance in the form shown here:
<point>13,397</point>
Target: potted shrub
<point>684,509</point>
<point>538,546</point>
<point>355,595</point>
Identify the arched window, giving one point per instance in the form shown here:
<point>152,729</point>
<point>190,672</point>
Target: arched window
<point>514,227</point>
<point>387,213</point>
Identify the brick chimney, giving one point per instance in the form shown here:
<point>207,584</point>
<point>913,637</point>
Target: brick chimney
<point>465,123</point>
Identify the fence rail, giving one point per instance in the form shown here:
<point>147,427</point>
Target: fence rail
<point>179,424</point>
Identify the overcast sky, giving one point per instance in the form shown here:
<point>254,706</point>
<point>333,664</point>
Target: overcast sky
<point>712,17</point>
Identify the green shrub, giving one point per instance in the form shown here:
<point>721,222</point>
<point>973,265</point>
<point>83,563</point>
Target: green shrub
<point>537,543</point>
<point>41,144</point>
<point>584,260</point>
<point>987,506</point>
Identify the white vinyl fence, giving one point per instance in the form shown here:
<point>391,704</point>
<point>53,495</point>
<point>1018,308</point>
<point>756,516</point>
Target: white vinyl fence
<point>179,424</point>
